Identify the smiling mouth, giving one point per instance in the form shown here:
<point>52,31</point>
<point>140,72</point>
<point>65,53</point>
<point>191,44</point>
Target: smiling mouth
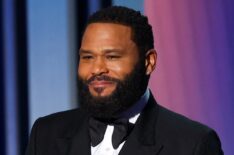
<point>100,85</point>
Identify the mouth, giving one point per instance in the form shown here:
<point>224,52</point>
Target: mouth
<point>101,83</point>
<point>101,87</point>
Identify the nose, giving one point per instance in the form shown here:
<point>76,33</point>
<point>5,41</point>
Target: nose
<point>99,67</point>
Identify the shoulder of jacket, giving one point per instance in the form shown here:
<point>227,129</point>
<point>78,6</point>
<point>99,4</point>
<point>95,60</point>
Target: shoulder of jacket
<point>175,123</point>
<point>60,120</point>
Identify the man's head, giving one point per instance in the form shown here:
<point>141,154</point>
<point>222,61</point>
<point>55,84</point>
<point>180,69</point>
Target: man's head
<point>141,30</point>
<point>116,59</point>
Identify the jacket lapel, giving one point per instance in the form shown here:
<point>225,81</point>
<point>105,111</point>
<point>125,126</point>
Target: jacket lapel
<point>76,143</point>
<point>143,138</point>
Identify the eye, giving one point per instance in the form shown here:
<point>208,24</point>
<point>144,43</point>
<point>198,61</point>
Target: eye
<point>113,57</point>
<point>86,57</point>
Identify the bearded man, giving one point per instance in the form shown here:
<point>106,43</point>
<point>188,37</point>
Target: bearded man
<point>118,114</point>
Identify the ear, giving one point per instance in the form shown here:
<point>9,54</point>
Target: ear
<point>150,61</point>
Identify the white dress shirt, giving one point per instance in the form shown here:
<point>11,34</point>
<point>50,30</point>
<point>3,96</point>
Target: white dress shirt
<point>105,147</point>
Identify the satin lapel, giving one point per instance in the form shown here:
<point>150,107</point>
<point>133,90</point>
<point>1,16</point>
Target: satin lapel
<point>143,138</point>
<point>77,143</point>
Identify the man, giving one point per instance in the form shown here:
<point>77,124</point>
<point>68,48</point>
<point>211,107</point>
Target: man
<point>118,114</point>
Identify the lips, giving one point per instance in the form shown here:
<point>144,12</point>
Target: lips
<point>101,83</point>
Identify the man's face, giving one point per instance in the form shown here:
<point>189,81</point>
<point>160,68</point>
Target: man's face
<point>106,50</point>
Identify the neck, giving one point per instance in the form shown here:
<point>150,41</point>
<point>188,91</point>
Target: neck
<point>137,107</point>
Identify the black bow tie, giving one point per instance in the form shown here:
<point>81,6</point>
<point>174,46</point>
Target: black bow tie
<point>97,128</point>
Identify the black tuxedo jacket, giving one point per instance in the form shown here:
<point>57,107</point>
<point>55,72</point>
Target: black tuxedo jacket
<point>157,131</point>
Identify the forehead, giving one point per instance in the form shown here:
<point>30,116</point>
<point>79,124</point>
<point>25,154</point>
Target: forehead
<point>106,34</point>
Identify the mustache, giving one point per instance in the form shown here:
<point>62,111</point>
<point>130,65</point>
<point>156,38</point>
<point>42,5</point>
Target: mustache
<point>101,78</point>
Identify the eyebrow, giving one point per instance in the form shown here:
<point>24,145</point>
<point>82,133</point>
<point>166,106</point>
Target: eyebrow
<point>84,51</point>
<point>106,51</point>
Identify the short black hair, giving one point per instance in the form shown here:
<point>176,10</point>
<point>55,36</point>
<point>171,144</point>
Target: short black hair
<point>142,33</point>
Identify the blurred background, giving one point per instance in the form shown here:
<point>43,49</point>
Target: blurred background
<point>39,41</point>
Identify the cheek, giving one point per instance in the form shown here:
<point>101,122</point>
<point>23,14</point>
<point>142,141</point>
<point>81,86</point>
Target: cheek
<point>120,70</point>
<point>83,71</point>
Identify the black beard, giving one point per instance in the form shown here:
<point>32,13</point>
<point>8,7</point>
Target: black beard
<point>110,107</point>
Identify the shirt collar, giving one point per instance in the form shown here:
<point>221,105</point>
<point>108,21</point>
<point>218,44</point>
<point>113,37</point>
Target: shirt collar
<point>133,112</point>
